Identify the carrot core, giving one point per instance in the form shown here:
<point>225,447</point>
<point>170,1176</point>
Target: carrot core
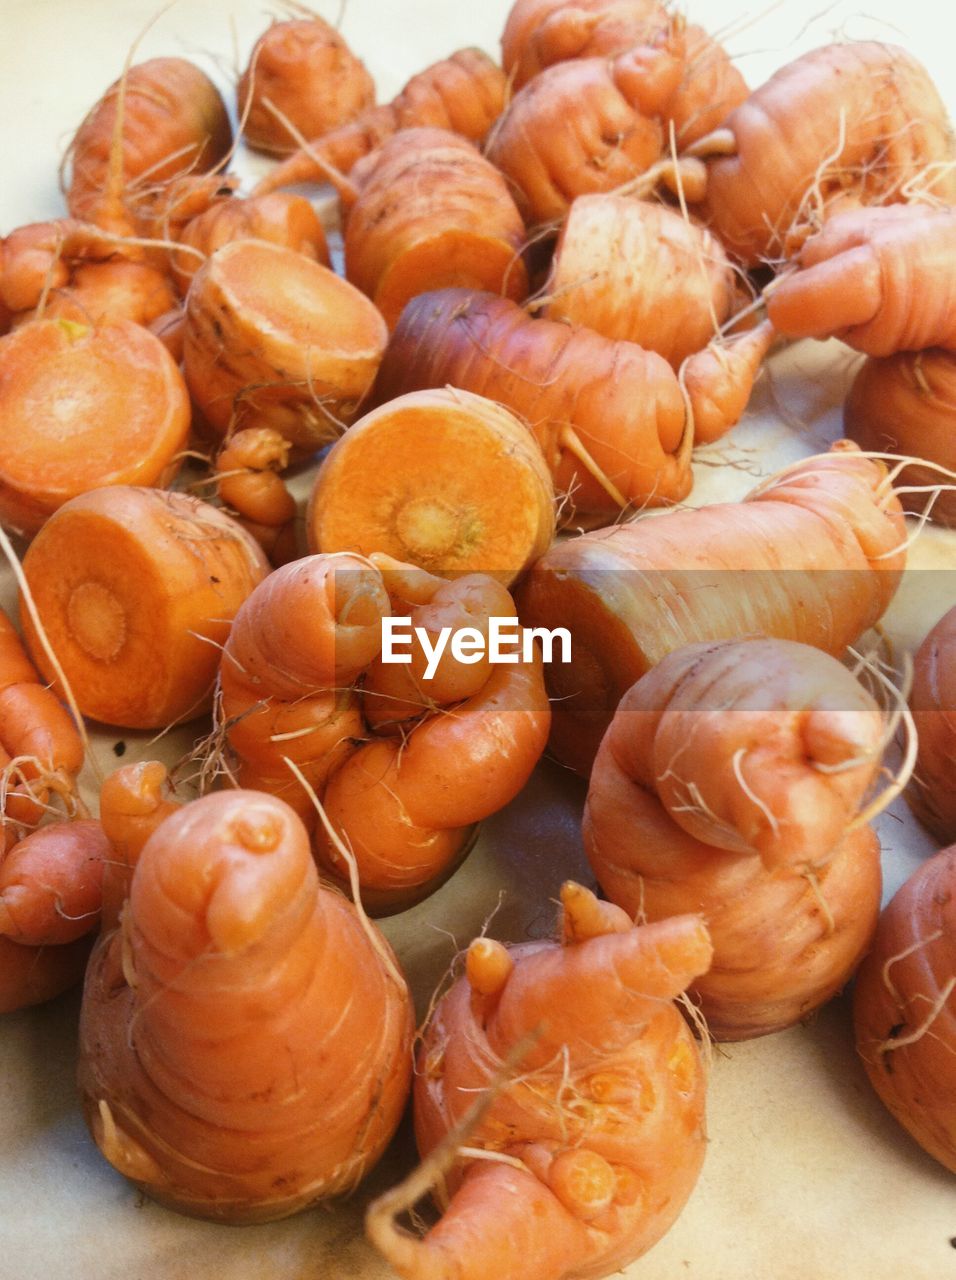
<point>97,620</point>
<point>427,527</point>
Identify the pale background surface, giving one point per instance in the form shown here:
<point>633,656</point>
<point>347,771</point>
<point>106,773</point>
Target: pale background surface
<point>806,1177</point>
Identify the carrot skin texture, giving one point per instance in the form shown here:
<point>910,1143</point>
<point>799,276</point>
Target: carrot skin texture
<point>706,795</point>
<point>593,1194</point>
<point>132,805</point>
<point>870,109</point>
<point>51,884</point>
<point>818,533</point>
<point>242,1078</point>
<point>904,1036</point>
<point>933,703</point>
<point>136,589</point>
<point>33,975</point>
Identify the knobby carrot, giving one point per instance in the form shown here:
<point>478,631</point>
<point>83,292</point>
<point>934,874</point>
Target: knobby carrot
<point>132,805</point>
<point>51,884</point>
<point>730,781</point>
<point>226,1066</point>
<point>583,1160</point>
<point>249,483</point>
<point>274,340</point>
<point>306,69</point>
<point>444,479</point>
<point>82,407</point>
<point>813,554</point>
<point>136,589</point>
<point>433,213</point>
<point>904,1012</point>
<point>464,93</point>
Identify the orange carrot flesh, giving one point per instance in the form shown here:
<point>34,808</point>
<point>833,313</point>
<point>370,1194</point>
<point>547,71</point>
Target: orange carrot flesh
<point>274,340</point>
<point>64,395</point>
<point>306,69</point>
<point>136,589</point>
<point>208,1112</point>
<point>395,484</point>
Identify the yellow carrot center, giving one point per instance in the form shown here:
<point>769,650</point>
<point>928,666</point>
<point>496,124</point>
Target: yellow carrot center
<point>97,620</point>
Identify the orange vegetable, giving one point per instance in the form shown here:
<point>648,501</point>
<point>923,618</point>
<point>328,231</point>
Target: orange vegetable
<point>464,93</point>
<point>226,1066</point>
<point>933,701</point>
<point>813,554</point>
<point>306,69</point>
<point>395,483</point>
<point>539,33</point>
<point>132,806</point>
<point>173,122</point>
<point>612,421</point>
<point>731,780</point>
<point>274,340</point>
<point>638,271</point>
<point>853,119</point>
<point>433,213</point>
<point>248,467</point>
<point>33,975</point>
<point>906,404</point>
<point>877,278</point>
<point>51,884</point>
<point>136,589</point>
<point>903,1008</point>
<point>575,1183</point>
<point>283,219</point>
<point>83,407</point>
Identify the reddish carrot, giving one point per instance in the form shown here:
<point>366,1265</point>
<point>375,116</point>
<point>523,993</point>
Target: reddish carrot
<point>933,701</point>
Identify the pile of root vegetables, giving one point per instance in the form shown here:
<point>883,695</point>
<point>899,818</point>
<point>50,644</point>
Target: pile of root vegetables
<point>464,357</point>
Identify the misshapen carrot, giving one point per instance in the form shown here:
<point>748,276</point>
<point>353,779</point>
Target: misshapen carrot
<point>563,1190</point>
<point>227,1066</point>
<point>464,93</point>
<point>82,407</point>
<point>443,479</point>
<point>274,340</point>
<point>247,467</point>
<point>858,119</point>
<point>173,122</point>
<point>433,213</point>
<point>306,69</point>
<point>933,701</point>
<point>906,405</point>
<point>730,781</point>
<point>813,554</point>
<point>51,884</point>
<point>33,975</point>
<point>904,1012</point>
<point>136,589</point>
<point>132,805</point>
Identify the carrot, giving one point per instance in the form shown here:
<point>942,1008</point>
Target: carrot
<point>612,421</point>
<point>247,467</point>
<point>906,405</point>
<point>814,554</point>
<point>82,407</point>
<point>584,1159</point>
<point>432,214</point>
<point>396,483</point>
<point>933,701</point>
<point>464,93</point>
<point>903,1008</point>
<point>877,278</point>
<point>136,589</point>
<point>274,340</point>
<point>34,975</point>
<point>731,780</point>
<point>283,219</point>
<point>871,126</point>
<point>592,125</point>
<point>207,1108</point>
<point>638,271</point>
<point>306,69</point>
<point>173,121</point>
<point>51,884</point>
<point>132,805</point>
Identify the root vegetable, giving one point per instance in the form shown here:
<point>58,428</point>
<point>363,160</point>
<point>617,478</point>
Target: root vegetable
<point>226,1066</point>
<point>136,589</point>
<point>395,483</point>
<point>249,483</point>
<point>813,554</point>
<point>274,340</point>
<point>433,213</point>
<point>51,884</point>
<point>84,407</point>
<point>591,1151</point>
<point>933,701</point>
<point>904,1011</point>
<point>306,69</point>
<point>731,780</point>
